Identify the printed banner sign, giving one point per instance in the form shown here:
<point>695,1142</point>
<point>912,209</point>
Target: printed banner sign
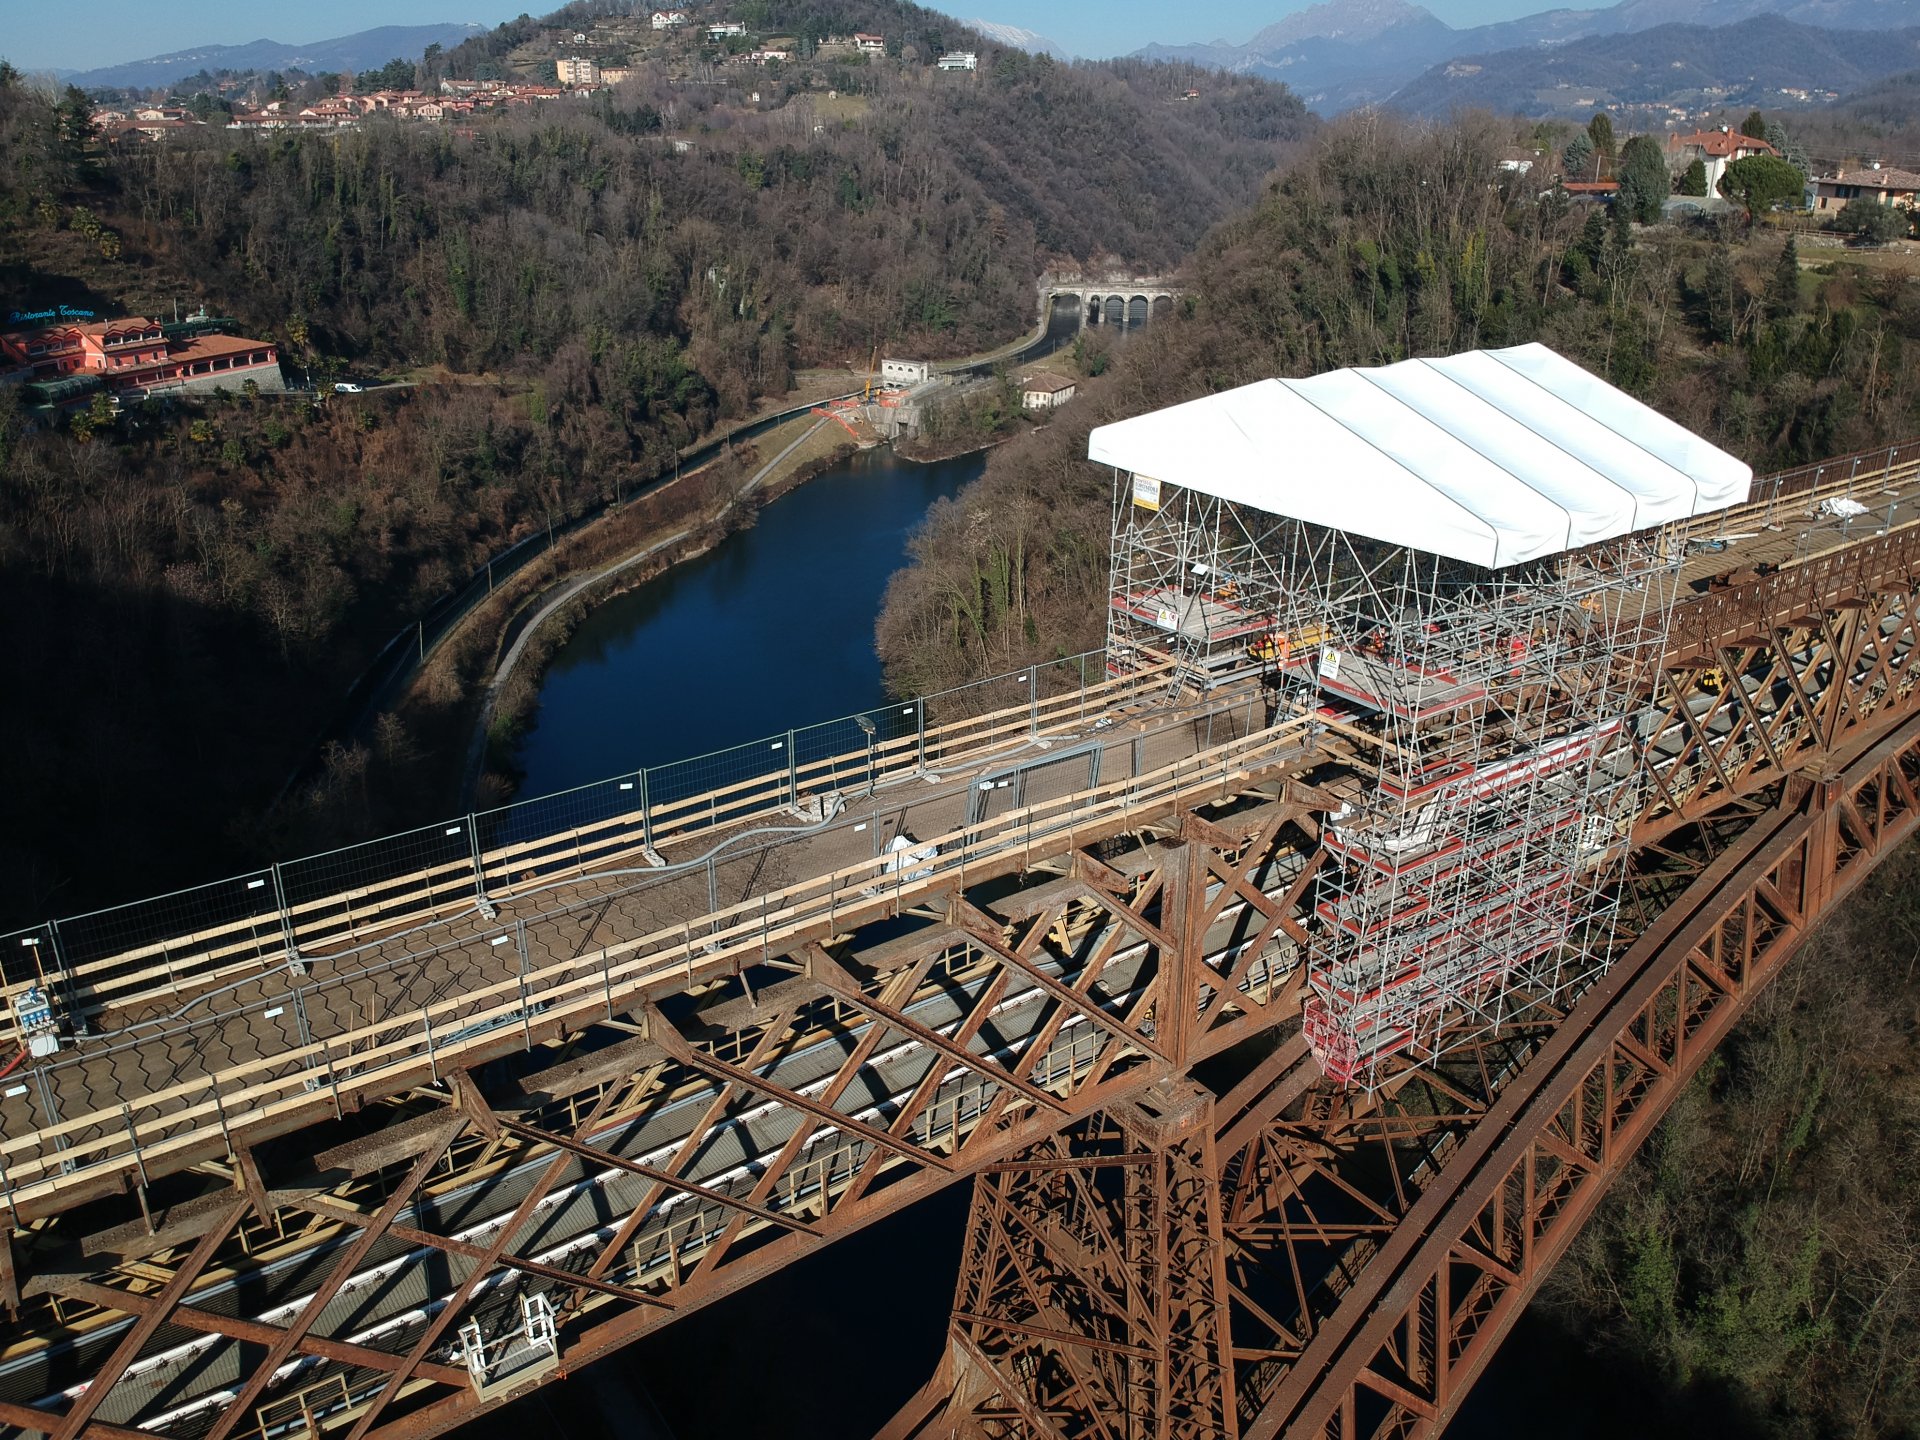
<point>1146,492</point>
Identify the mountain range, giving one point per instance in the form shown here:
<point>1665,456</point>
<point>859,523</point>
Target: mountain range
<point>1018,39</point>
<point>1691,67</point>
<point>1343,53</point>
<point>364,50</point>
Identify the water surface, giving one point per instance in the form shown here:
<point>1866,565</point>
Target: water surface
<point>771,629</point>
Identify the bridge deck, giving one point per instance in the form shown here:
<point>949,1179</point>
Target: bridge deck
<point>171,1070</point>
<point>159,1080</point>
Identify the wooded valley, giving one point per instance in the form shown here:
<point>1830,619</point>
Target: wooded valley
<point>579,299</point>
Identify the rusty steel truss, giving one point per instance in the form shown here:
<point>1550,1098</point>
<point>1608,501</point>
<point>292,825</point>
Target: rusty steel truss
<point>1377,1248</point>
<point>1145,1257</point>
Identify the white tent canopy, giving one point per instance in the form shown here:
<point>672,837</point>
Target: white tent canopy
<point>1493,457</point>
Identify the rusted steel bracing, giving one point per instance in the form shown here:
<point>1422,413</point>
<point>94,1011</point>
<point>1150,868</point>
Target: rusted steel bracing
<point>1378,1246</point>
<point>384,1282</point>
<point>1800,683</point>
<point>1463,1195</point>
<point>1752,606</point>
<point>465,1189</point>
<point>1092,1283</point>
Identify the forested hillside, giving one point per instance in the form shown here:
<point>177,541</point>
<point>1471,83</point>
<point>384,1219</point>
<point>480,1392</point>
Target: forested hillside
<point>1762,1254</point>
<point>1388,241</point>
<point>190,590</point>
<point>765,243</point>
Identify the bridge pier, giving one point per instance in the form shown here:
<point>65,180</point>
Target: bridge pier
<point>1094,1278</point>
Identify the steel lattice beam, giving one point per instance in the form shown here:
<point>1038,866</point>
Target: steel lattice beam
<point>1360,1255</point>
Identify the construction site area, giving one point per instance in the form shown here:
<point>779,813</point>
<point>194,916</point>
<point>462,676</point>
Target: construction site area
<point>1287,978</point>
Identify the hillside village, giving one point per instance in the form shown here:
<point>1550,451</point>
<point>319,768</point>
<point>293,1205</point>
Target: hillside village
<point>675,47</point>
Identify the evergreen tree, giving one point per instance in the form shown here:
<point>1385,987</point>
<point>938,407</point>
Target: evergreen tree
<point>1870,222</point>
<point>74,118</point>
<point>1593,238</point>
<point>1600,131</point>
<point>1693,181</point>
<point>1579,156</point>
<point>1762,181</point>
<point>1643,179</point>
<point>1754,127</point>
<point>1783,291</point>
<point>1791,150</point>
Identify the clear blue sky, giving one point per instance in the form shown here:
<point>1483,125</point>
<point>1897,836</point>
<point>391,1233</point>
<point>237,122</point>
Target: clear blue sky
<point>83,34</point>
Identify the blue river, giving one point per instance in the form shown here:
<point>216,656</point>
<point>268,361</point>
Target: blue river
<point>770,629</point>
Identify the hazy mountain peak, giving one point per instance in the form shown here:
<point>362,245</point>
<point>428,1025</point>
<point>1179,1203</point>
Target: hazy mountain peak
<point>1348,20</point>
<point>1344,53</point>
<point>1028,40</point>
<point>359,51</point>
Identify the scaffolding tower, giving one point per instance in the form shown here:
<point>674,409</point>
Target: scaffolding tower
<point>1493,685</point>
<point>1479,866</point>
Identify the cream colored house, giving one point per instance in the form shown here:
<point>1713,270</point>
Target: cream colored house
<point>1046,392</point>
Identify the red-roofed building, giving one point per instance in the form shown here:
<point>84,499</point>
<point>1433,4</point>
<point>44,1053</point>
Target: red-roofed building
<point>1715,149</point>
<point>99,347</point>
<point>136,356</point>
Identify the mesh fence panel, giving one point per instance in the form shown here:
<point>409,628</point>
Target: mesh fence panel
<point>566,833</point>
<point>190,937</point>
<point>835,756</point>
<point>984,713</point>
<point>720,788</point>
<point>341,897</point>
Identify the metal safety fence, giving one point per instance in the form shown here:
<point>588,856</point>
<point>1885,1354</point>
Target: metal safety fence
<point>138,1095</point>
<point>154,952</point>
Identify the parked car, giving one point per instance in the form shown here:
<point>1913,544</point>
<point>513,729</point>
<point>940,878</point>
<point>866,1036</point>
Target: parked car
<point>345,387</point>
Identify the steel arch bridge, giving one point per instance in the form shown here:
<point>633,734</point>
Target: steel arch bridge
<point>372,1159</point>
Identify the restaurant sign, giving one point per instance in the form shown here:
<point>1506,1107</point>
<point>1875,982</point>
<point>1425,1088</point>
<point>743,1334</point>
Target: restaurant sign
<point>50,315</point>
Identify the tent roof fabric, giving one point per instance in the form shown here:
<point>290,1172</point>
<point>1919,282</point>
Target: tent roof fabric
<point>1493,457</point>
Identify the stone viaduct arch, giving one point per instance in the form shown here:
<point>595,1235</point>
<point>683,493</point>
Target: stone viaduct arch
<point>1121,304</point>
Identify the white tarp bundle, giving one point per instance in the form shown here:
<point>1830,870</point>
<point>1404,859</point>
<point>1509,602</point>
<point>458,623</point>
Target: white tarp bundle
<point>1492,457</point>
<point>906,856</point>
